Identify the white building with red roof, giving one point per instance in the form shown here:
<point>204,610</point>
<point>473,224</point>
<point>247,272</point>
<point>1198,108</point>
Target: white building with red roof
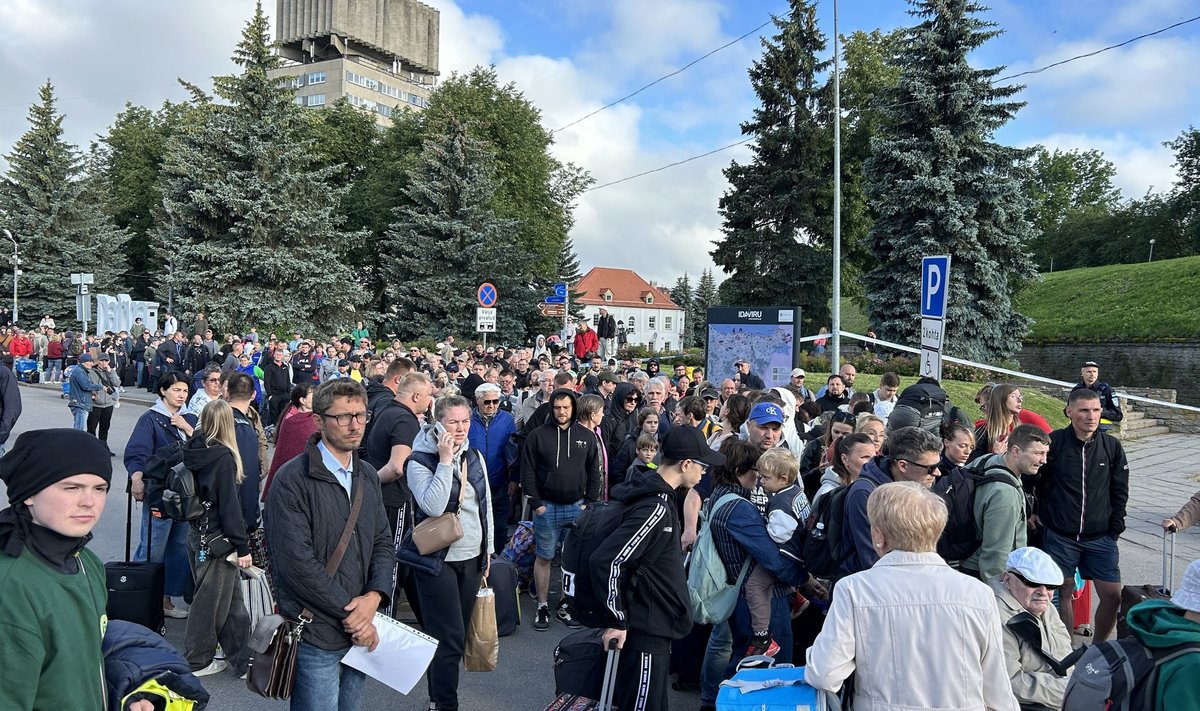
<point>648,314</point>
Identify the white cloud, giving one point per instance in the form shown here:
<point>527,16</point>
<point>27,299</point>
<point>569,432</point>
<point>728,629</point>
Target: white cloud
<point>1140,165</point>
<point>467,41</point>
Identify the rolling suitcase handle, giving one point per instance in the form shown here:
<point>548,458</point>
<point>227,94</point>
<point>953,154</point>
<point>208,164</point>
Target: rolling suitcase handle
<point>610,677</point>
<point>129,528</point>
<point>1168,578</point>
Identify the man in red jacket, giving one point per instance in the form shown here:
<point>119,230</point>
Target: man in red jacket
<point>21,346</point>
<point>586,341</point>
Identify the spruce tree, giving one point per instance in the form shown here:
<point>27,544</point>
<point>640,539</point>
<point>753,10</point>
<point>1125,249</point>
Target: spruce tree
<point>778,211</point>
<point>52,213</point>
<point>252,225</point>
<point>706,296</point>
<point>446,241</point>
<point>681,294</point>
<point>942,186</point>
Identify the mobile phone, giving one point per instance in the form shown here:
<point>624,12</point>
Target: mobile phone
<point>439,430</point>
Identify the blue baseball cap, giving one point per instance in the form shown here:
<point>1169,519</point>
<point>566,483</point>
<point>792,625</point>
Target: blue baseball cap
<point>766,413</point>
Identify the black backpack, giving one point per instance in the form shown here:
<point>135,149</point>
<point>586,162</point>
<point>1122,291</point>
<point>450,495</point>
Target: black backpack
<point>599,521</point>
<point>824,552</point>
<point>961,537</point>
<point>171,486</point>
<point>1120,674</point>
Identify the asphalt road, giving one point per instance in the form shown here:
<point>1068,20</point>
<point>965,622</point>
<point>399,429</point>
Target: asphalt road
<point>524,679</point>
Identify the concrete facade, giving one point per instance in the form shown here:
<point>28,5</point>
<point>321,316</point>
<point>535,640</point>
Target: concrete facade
<point>380,55</point>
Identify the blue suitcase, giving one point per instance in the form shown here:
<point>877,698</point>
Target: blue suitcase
<point>777,688</point>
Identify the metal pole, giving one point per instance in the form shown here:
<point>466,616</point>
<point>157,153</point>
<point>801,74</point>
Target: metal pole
<point>836,354</point>
<point>1151,259</point>
<point>16,259</point>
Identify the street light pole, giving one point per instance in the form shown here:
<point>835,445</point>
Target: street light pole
<point>835,355</point>
<point>1151,259</point>
<point>16,262</point>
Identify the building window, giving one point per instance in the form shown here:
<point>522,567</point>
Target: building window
<point>650,323</point>
<point>608,296</point>
<point>299,101</point>
<point>316,100</point>
<point>316,78</point>
<point>630,327</point>
<point>650,300</point>
<point>667,322</point>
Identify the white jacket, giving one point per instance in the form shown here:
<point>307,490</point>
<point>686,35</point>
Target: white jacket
<point>918,634</point>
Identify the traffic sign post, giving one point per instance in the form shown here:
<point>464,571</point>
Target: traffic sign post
<point>485,320</point>
<point>83,301</point>
<point>935,289</point>
<point>487,295</point>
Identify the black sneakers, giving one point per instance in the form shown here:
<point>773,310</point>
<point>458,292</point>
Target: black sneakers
<point>541,620</point>
<point>566,617</point>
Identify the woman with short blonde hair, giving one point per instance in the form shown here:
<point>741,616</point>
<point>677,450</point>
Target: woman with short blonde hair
<point>908,598</point>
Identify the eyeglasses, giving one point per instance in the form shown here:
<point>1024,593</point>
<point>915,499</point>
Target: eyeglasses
<point>490,402</point>
<point>344,420</point>
<point>930,469</point>
<point>1031,585</point>
<point>212,380</point>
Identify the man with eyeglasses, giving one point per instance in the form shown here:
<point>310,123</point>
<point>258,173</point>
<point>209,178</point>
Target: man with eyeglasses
<point>309,504</point>
<point>913,455</point>
<point>1024,592</point>
<point>491,429</point>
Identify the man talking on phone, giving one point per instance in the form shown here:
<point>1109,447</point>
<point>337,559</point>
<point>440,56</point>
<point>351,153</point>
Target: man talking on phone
<point>560,473</point>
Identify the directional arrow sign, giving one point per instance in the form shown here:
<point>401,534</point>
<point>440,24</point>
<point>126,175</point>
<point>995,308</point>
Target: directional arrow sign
<point>555,299</point>
<point>553,310</point>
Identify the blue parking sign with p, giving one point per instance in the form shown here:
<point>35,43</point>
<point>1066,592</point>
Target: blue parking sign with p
<point>935,280</point>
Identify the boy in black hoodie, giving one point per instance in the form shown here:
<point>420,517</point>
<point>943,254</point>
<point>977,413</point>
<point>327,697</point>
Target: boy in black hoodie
<point>646,617</point>
<point>561,465</point>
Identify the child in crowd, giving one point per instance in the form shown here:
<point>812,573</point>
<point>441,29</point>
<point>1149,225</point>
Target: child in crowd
<point>778,472</point>
<point>647,452</point>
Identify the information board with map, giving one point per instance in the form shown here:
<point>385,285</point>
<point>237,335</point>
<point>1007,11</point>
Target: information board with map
<point>766,336</point>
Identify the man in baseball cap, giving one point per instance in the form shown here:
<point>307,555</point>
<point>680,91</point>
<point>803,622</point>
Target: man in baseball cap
<point>645,619</point>
<point>765,425</point>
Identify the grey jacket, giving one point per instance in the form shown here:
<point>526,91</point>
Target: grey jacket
<point>104,379</point>
<point>1033,681</point>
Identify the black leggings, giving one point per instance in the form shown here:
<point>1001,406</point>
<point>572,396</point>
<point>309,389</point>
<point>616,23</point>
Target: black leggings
<point>447,600</point>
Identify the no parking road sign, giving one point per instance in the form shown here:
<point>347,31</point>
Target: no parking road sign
<point>487,295</point>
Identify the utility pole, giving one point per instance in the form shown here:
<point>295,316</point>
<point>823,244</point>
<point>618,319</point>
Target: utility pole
<point>836,353</point>
<point>16,262</point>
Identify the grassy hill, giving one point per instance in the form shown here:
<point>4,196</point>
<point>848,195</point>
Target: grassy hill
<point>963,394</point>
<point>1157,301</point>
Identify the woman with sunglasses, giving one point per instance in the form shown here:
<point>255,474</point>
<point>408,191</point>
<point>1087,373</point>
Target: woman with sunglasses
<point>621,419</point>
<point>908,598</point>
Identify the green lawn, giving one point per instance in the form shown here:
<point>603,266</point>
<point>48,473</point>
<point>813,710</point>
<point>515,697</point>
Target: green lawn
<point>1158,301</point>
<point>963,394</point>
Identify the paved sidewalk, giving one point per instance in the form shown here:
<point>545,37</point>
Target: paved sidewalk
<point>1163,474</point>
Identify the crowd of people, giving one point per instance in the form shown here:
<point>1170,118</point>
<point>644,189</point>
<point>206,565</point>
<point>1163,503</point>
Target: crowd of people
<point>395,437</point>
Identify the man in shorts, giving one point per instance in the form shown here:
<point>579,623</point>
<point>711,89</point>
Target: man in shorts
<point>1082,492</point>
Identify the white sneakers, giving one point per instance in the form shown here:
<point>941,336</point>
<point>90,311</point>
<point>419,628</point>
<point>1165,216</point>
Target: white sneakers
<point>216,667</point>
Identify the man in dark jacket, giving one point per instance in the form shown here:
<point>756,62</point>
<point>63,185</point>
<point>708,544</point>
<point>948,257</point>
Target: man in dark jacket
<point>1110,404</point>
<point>747,379</point>
<point>835,395</point>
<point>646,617</point>
<point>10,405</point>
<point>305,518</point>
<point>560,473</point>
<point>491,432</point>
<point>913,455</point>
<point>606,331</point>
<point>303,364</point>
<point>277,384</point>
<point>1082,492</point>
<point>197,357</point>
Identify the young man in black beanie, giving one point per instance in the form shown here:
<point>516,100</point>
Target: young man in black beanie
<point>52,589</point>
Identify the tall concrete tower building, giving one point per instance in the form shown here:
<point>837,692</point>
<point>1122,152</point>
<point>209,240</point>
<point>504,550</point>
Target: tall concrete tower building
<point>381,55</point>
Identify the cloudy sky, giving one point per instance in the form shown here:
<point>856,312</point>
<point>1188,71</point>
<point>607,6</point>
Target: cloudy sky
<point>573,56</point>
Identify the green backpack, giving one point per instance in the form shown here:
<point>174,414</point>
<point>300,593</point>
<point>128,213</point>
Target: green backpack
<point>710,593</point>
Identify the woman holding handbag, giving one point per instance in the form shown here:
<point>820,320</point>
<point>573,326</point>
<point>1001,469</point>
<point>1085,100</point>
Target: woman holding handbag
<point>448,548</point>
<point>218,614</point>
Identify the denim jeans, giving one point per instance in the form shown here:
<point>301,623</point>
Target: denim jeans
<point>716,658</point>
<point>81,416</point>
<point>323,683</point>
<point>548,526</point>
<point>170,547</point>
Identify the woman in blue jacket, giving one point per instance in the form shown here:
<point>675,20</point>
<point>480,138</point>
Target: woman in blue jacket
<point>164,423</point>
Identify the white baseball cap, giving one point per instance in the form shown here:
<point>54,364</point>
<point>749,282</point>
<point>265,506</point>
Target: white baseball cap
<point>1036,566</point>
<point>798,373</point>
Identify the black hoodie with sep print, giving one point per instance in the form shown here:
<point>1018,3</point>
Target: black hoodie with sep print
<point>561,465</point>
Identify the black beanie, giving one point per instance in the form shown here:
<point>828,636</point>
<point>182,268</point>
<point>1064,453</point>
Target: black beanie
<point>41,458</point>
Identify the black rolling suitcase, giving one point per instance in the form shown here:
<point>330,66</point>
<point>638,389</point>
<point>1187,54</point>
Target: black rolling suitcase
<point>600,689</point>
<point>135,590</point>
<point>503,581</point>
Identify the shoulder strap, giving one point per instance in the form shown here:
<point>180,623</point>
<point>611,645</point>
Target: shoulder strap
<point>335,561</point>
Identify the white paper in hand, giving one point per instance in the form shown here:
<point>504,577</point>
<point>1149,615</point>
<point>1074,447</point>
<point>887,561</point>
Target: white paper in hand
<point>401,658</point>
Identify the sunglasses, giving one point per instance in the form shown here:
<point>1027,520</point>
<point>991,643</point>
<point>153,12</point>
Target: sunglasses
<point>930,469</point>
<point>1031,585</point>
<point>633,398</point>
<point>845,418</point>
<point>491,402</point>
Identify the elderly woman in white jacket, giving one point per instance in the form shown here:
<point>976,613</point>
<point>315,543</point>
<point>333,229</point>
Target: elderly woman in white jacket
<point>919,634</point>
